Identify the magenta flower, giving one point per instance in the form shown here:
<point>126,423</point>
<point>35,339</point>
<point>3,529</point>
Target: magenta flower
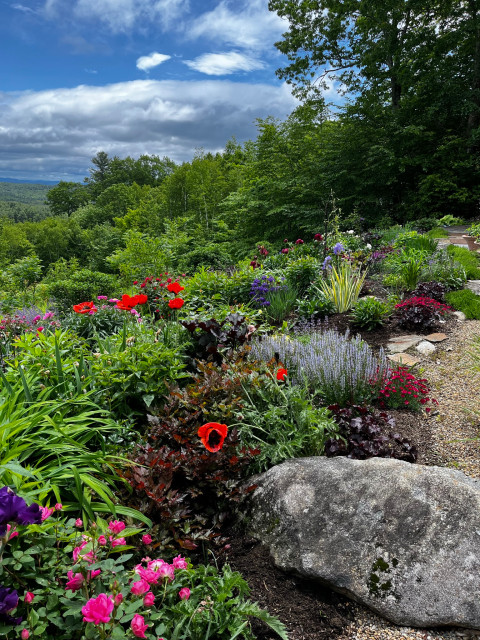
<point>79,522</point>
<point>25,634</point>
<point>46,512</point>
<point>98,610</point>
<point>184,594</point>
<point>101,297</point>
<point>29,597</point>
<point>58,506</point>
<point>179,563</point>
<point>116,526</point>
<point>138,626</point>
<point>166,571</point>
<point>75,581</point>
<point>119,542</point>
<point>36,319</point>
<point>102,541</point>
<point>149,599</point>
<point>118,599</point>
<point>140,587</point>
<point>14,533</point>
<point>147,539</point>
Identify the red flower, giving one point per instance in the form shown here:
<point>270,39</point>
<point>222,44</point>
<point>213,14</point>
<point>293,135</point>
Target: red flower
<point>176,303</point>
<point>318,237</point>
<point>282,374</point>
<point>127,303</point>
<point>175,287</point>
<point>84,307</point>
<point>299,241</point>
<point>213,435</point>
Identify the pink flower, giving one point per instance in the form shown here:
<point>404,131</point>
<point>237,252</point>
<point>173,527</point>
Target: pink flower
<point>149,599</point>
<point>48,315</point>
<point>93,574</point>
<point>118,599</point>
<point>29,597</point>
<point>101,297</point>
<point>138,626</point>
<point>46,512</point>
<point>102,541</point>
<point>76,551</point>
<point>13,534</point>
<point>179,563</point>
<point>166,571</point>
<point>40,329</point>
<point>116,526</point>
<point>58,506</point>
<point>299,241</point>
<point>114,300</point>
<point>184,593</point>
<point>79,522</point>
<point>140,587</point>
<point>98,610</point>
<point>147,539</point>
<point>119,542</point>
<point>25,634</point>
<point>75,581</point>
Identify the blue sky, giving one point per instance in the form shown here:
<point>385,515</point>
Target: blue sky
<point>128,77</point>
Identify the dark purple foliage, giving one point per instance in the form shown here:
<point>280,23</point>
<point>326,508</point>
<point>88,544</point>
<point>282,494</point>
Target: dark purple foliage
<point>420,312</point>
<point>434,290</point>
<point>365,436</point>
<point>214,339</point>
<point>13,508</point>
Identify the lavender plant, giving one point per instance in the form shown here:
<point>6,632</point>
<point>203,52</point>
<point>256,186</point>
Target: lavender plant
<point>343,370</point>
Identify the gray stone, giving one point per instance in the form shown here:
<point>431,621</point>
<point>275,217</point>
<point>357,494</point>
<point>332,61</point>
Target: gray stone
<point>402,539</point>
<point>403,358</point>
<point>474,285</point>
<point>402,343</point>
<point>425,347</point>
<point>460,315</point>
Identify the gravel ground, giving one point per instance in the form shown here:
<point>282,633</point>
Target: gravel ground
<point>455,434</point>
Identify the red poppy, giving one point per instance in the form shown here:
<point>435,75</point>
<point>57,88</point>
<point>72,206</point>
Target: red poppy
<point>282,374</point>
<point>176,303</point>
<point>213,435</point>
<point>175,287</point>
<point>127,303</point>
<point>84,307</point>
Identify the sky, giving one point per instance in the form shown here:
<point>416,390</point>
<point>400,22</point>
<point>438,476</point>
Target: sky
<point>161,77</point>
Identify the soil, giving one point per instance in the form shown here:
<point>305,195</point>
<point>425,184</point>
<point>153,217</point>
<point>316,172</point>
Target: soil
<point>311,611</point>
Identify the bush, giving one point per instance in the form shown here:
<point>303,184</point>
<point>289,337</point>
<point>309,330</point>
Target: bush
<point>81,286</point>
<point>444,269</point>
<point>466,301</point>
<point>363,435</point>
<point>450,220</point>
<point>474,230</point>
<point>434,290</point>
<point>340,369</point>
<point>370,313</point>
<point>404,391</point>
<point>342,287</point>
<point>317,306</point>
<point>425,224</point>
<point>420,313</point>
<point>302,272</point>
<point>54,596</point>
<point>468,260</point>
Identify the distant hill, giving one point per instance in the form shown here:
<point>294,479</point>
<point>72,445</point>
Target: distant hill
<point>14,181</point>
<point>25,192</point>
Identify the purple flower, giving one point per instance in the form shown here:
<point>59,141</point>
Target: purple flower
<point>8,602</point>
<point>13,508</point>
<point>338,248</point>
<point>326,263</point>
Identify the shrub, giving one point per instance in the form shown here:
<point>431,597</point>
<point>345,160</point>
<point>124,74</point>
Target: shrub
<point>420,313</point>
<point>468,260</point>
<point>474,230</point>
<point>434,290</point>
<point>108,319</point>
<point>444,269</point>
<point>341,369</point>
<point>280,419</point>
<point>404,391</point>
<point>437,233</point>
<point>466,301</point>
<point>425,224</point>
<point>80,286</point>
<point>342,287</point>
<point>369,313</point>
<point>363,435</point>
<point>317,306</point>
<point>450,220</point>
<point>302,272</point>
<point>55,596</point>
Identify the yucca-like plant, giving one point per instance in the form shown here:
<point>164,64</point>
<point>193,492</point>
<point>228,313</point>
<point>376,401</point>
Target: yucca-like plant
<point>343,286</point>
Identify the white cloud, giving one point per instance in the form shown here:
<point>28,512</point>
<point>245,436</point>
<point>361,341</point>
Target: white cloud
<point>120,16</point>
<point>252,26</point>
<point>220,64</point>
<point>54,134</point>
<point>145,63</point>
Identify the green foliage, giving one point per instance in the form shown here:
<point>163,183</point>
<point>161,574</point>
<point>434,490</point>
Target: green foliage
<point>370,313</point>
<point>143,255</point>
<point>302,272</point>
<point>449,220</point>
<point>468,260</point>
<point>280,419</point>
<point>66,197</point>
<point>410,269</point>
<point>282,304</point>
<point>474,230</point>
<point>437,233</point>
<point>82,286</point>
<point>314,306</point>
<point>466,301</point>
<point>423,243</point>
<point>342,287</point>
<point>443,268</point>
<point>27,192</point>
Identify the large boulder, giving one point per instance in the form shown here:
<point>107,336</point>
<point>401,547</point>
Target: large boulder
<point>402,539</point>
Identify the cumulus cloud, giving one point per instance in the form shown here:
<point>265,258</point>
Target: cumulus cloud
<point>220,64</point>
<point>145,63</point>
<point>54,134</point>
<point>247,24</point>
<point>120,16</point>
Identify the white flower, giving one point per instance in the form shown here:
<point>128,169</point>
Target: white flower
<point>369,246</point>
<point>351,232</point>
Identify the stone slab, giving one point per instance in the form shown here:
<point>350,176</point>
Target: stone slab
<point>403,358</point>
<point>425,347</point>
<point>436,337</point>
<point>402,343</point>
<point>474,285</point>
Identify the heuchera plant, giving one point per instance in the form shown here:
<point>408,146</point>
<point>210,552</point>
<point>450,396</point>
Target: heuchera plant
<point>66,582</point>
<point>420,313</point>
<point>404,391</point>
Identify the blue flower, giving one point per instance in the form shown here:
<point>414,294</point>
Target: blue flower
<point>326,263</point>
<point>338,248</point>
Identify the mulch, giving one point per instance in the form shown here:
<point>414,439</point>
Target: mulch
<point>309,610</point>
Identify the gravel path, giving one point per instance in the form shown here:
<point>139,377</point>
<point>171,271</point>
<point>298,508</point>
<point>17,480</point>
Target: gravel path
<point>455,434</point>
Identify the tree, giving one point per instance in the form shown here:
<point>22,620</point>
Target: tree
<point>66,197</point>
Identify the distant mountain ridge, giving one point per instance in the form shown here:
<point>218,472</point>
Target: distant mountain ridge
<point>14,181</point>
